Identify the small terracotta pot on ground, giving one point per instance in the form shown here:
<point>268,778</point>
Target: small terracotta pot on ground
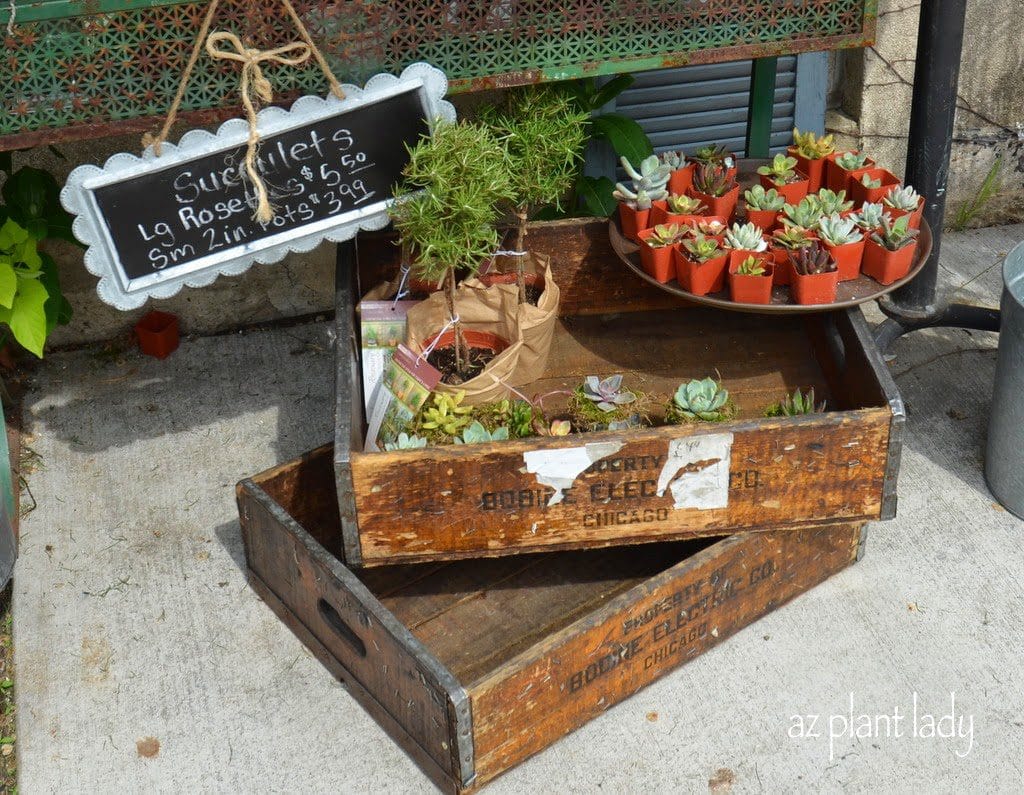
<point>656,262</point>
<point>680,180</point>
<point>814,169</point>
<point>885,266</point>
<point>848,258</point>
<point>792,192</point>
<point>861,194</point>
<point>747,289</point>
<point>838,178</point>
<point>719,205</point>
<point>158,334</point>
<point>765,219</point>
<point>700,278</point>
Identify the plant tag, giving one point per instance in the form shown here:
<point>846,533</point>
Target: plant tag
<point>405,386</point>
<point>382,327</point>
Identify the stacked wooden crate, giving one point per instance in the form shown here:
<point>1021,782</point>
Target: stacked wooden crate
<point>407,574</point>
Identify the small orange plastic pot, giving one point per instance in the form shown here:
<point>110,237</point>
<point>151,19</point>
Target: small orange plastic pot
<point>861,194</point>
<point>765,219</point>
<point>837,178</point>
<point>680,180</point>
<point>885,266</point>
<point>158,334</point>
<point>848,258</point>
<point>915,215</point>
<point>700,278</point>
<point>818,288</point>
<point>814,169</point>
<point>656,261</point>
<point>748,289</point>
<point>719,205</point>
<point>792,192</point>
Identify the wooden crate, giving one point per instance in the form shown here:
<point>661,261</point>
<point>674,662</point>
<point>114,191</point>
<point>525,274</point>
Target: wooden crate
<point>751,473</point>
<point>473,666</point>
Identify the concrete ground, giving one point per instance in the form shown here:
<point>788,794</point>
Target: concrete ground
<point>145,663</point>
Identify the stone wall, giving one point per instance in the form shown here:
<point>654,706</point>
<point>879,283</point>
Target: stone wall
<point>872,97</point>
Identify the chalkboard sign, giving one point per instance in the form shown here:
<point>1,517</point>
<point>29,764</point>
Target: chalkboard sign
<point>154,224</point>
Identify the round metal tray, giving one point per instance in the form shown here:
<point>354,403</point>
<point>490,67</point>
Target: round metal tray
<point>851,293</point>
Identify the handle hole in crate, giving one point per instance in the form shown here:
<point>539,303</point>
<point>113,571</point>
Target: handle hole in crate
<point>334,620</point>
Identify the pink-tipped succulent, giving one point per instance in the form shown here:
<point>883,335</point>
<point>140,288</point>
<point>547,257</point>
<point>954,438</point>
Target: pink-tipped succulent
<point>608,393</point>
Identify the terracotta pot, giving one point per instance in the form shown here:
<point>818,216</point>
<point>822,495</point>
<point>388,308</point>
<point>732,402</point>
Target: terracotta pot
<point>915,215</point>
<point>529,279</point>
<point>719,205</point>
<point>765,219</point>
<point>700,278</point>
<point>415,285</point>
<point>848,258</point>
<point>780,256</point>
<point>747,289</point>
<point>633,221</point>
<point>861,194</point>
<point>157,333</point>
<point>656,262</point>
<point>838,178</point>
<point>885,266</point>
<point>814,169</point>
<point>792,192</point>
<point>680,180</point>
<point>818,288</point>
<point>474,339</point>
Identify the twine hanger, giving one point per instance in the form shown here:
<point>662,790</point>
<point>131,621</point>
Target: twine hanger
<point>254,86</point>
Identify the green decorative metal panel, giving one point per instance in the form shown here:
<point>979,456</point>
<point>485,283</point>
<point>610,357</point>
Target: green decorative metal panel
<point>84,68</point>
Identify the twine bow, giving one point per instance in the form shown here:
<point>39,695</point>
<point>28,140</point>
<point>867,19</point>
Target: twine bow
<point>254,82</point>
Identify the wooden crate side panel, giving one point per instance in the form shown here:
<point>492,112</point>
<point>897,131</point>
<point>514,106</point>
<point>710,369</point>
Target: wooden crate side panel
<point>654,484</point>
<point>375,651</point>
<point>606,657</point>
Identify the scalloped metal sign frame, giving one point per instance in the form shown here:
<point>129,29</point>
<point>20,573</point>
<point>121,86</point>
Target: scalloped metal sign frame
<point>124,291</point>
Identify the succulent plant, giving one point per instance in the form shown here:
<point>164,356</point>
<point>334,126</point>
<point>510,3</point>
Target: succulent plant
<point>700,400</point>
<point>516,415</point>
<point>812,146</point>
<point>648,182</point>
<point>894,235</point>
<point>781,171</point>
<point>708,226</point>
<point>812,259</point>
<point>904,198</point>
<point>685,205</point>
<point>746,237</point>
<point>758,198</point>
<point>805,214</point>
<point>700,248</point>
<point>475,433</point>
<point>851,161</point>
<point>665,235</point>
<point>870,216</point>
<point>405,442</point>
<point>796,404</point>
<point>751,266</point>
<point>792,237</point>
<point>712,153</point>
<point>444,415</point>
<point>832,202</point>
<point>560,428</point>
<point>867,181</point>
<point>673,159</point>
<point>712,179</point>
<point>838,231</point>
<point>607,394</point>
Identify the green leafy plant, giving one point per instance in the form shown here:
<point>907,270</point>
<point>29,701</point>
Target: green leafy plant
<point>685,205</point>
<point>751,266</point>
<point>447,206</point>
<point>806,213</point>
<point>746,237</point>
<point>870,216</point>
<point>665,235</point>
<point>700,248</point>
<point>781,170</point>
<point>518,416</point>
<point>904,198</point>
<point>405,442</point>
<point>868,182</point>
<point>830,202</point>
<point>23,294</point>
<point>648,183</point>
<point>712,179</point>
<point>443,417</point>
<point>851,161</point>
<point>812,259</point>
<point>702,399</point>
<point>894,235</point>
<point>712,154</point>
<point>811,146</point>
<point>796,404</point>
<point>792,237</point>
<point>838,231</point>
<point>475,433</point>
<point>758,198</point>
<point>543,133</point>
<point>989,187</point>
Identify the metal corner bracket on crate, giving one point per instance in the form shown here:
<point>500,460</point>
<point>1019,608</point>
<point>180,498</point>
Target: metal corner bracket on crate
<point>121,283</point>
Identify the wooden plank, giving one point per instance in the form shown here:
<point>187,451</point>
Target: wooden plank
<point>479,500</point>
<point>574,675</point>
